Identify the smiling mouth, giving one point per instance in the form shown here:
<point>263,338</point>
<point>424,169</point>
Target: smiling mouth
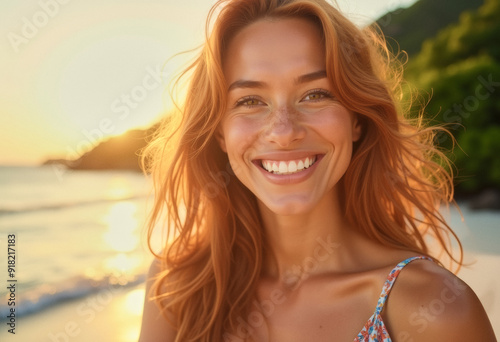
<point>288,167</point>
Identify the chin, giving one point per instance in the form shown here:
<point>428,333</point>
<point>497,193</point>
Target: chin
<point>289,207</point>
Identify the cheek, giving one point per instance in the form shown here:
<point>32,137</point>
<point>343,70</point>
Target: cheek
<point>334,123</point>
<point>240,135</point>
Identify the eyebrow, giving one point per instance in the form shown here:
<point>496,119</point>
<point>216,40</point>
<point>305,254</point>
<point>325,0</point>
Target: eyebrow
<point>313,76</point>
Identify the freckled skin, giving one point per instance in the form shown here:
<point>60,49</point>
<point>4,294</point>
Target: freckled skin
<point>284,119</point>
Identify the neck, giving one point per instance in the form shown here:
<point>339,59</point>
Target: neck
<point>303,245</point>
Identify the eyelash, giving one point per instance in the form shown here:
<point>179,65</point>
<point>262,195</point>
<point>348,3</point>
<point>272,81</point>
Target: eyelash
<point>242,101</point>
<point>324,94</point>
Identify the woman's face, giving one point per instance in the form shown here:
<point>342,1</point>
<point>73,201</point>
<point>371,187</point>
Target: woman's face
<point>287,138</point>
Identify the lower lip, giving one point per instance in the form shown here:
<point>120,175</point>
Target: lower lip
<point>293,178</point>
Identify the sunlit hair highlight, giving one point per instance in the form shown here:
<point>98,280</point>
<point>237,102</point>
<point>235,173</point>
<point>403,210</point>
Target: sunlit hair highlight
<point>392,190</point>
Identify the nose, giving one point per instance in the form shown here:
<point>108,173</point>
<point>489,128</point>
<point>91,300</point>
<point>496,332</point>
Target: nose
<point>284,127</point>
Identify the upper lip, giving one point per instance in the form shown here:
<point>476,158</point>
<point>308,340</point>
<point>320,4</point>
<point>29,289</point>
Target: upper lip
<point>286,156</point>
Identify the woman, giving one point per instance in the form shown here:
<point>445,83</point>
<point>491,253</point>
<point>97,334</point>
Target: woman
<point>297,192</point>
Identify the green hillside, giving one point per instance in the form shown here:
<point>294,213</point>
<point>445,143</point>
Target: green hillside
<point>460,67</point>
<point>410,27</point>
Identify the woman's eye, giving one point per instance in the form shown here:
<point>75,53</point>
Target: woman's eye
<point>251,102</point>
<point>248,102</point>
<point>317,95</point>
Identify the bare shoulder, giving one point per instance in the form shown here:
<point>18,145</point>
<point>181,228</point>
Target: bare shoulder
<point>155,327</point>
<point>429,303</point>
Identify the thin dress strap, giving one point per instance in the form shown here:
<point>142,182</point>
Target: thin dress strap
<point>375,329</point>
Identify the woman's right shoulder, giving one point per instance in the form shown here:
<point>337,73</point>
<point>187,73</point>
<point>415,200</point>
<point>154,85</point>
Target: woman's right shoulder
<point>155,325</point>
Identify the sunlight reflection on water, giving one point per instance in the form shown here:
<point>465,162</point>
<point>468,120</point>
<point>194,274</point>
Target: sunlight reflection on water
<point>119,187</point>
<point>122,234</point>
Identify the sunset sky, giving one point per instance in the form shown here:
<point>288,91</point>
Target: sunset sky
<point>73,72</point>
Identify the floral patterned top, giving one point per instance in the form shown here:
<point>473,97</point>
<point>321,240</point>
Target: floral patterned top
<point>375,330</point>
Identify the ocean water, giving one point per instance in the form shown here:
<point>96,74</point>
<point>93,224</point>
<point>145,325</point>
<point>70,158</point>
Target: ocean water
<point>76,232</point>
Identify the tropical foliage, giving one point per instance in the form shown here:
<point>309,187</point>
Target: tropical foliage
<point>460,70</point>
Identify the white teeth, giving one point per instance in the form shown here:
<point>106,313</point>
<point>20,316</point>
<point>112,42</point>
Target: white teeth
<point>288,167</point>
<point>283,167</point>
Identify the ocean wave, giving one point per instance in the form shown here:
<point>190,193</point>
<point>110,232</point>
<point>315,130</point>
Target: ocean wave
<point>45,296</point>
<point>22,209</point>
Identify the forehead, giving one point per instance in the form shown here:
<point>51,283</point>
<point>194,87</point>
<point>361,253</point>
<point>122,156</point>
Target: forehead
<point>274,45</point>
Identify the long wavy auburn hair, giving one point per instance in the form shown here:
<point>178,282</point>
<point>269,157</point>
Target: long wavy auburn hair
<point>392,190</point>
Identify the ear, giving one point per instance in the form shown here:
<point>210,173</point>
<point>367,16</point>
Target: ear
<point>357,127</point>
<point>220,139</point>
